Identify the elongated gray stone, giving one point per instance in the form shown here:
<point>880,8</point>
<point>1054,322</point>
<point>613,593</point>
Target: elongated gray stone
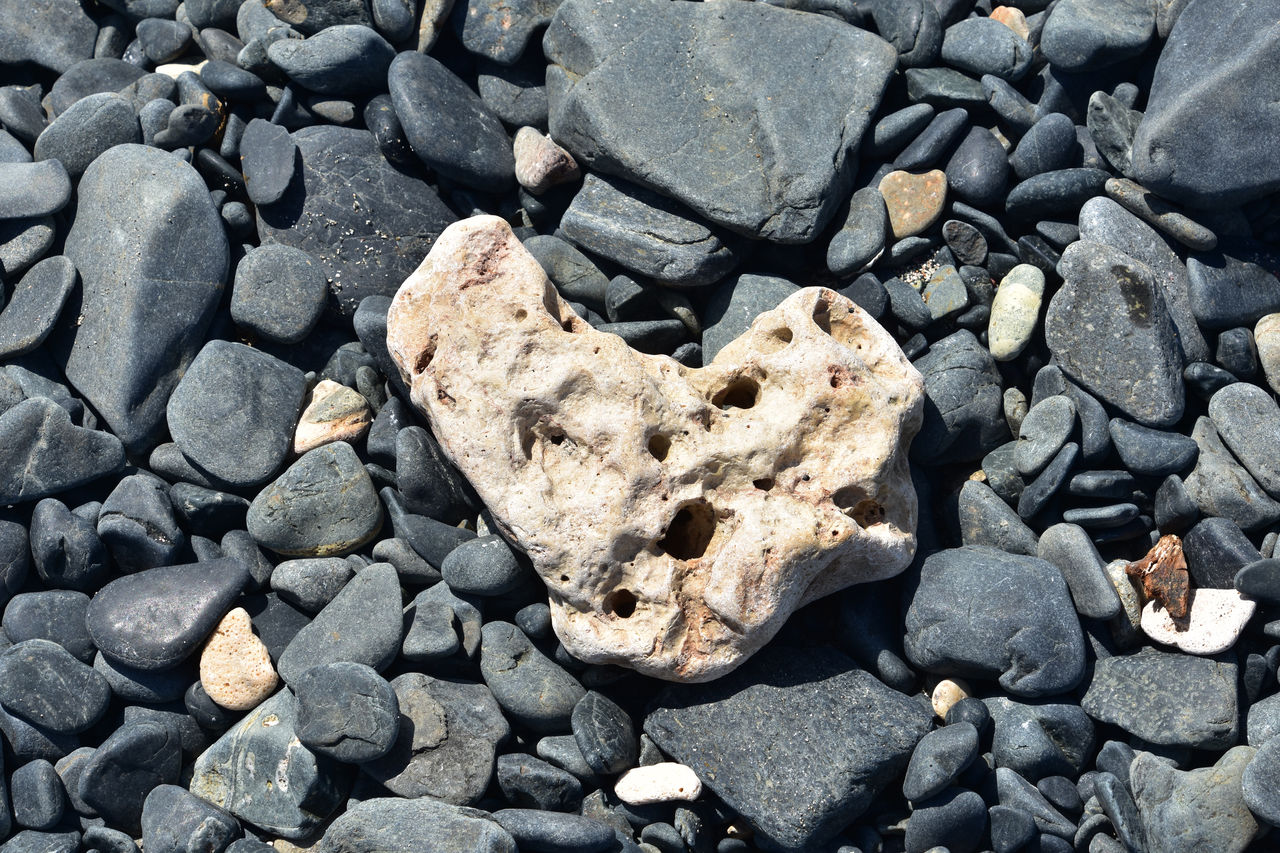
<point>152,264</point>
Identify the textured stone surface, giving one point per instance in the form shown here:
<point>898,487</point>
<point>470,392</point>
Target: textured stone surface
<point>601,467</point>
<point>729,128</point>
<point>235,669</point>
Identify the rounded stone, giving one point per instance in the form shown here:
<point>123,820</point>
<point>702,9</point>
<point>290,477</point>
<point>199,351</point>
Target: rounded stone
<point>279,292</point>
<point>604,733</point>
<point>346,711</point>
<point>235,669</point>
<point>483,566</point>
<point>40,682</point>
<point>322,505</point>
<point>1015,312</point>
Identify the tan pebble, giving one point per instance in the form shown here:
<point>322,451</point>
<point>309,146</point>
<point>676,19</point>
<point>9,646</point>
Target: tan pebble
<point>235,669</point>
<point>1266,334</point>
<point>1214,620</point>
<point>1012,18</point>
<point>914,202</point>
<point>658,783</point>
<point>434,15</point>
<point>334,413</point>
<point>540,162</point>
<point>948,692</point>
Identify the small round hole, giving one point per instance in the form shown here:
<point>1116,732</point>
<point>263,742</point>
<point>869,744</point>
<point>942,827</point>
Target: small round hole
<point>620,603</point>
<point>765,484</point>
<point>564,579</point>
<point>783,334</point>
<point>659,446</point>
<point>521,314</point>
<point>690,532</point>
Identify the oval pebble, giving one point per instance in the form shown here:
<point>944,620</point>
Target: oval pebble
<point>664,782</point>
<point>235,669</point>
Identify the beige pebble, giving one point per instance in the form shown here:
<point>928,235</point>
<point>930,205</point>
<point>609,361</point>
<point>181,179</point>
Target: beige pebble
<point>1014,312</point>
<point>1215,618</point>
<point>1012,18</point>
<point>1266,335</point>
<point>914,202</point>
<point>658,783</point>
<point>946,693</point>
<point>540,162</point>
<point>235,668</point>
<point>334,413</point>
<point>435,13</point>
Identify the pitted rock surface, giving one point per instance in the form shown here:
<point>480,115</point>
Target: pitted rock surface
<point>646,492</point>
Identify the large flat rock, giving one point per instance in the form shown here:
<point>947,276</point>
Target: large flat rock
<point>746,112</point>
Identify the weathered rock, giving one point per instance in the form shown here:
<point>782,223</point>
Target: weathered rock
<point>1196,809</point>
<point>1215,618</point>
<point>540,163</point>
<point>648,563</point>
<point>235,669</point>
<point>701,103</point>
<point>658,783</point>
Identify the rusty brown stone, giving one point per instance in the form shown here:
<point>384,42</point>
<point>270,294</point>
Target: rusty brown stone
<point>1163,573</point>
<point>914,202</point>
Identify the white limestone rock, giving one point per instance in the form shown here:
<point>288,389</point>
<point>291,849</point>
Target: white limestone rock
<point>1215,619</point>
<point>664,782</point>
<point>1014,312</point>
<point>678,516</point>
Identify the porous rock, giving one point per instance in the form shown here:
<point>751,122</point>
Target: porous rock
<point>645,492</point>
<point>235,668</point>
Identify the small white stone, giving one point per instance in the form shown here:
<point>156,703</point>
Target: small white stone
<point>1215,618</point>
<point>176,69</point>
<point>1266,335</point>
<point>946,693</point>
<point>1014,311</point>
<point>658,783</point>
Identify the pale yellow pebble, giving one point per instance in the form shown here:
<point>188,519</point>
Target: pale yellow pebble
<point>658,783</point>
<point>235,668</point>
<point>1266,335</point>
<point>1215,618</point>
<point>946,693</point>
<point>1015,311</point>
<point>334,413</point>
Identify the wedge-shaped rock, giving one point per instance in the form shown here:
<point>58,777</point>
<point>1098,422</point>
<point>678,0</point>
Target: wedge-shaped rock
<point>703,102</point>
<point>677,515</point>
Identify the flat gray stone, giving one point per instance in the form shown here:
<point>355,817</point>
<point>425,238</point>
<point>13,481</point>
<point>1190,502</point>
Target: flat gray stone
<point>703,103</point>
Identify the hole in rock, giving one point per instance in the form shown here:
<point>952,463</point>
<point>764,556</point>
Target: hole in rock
<point>424,358</point>
<point>556,437</point>
<point>854,503</point>
<point>521,314</point>
<point>690,532</point>
<point>741,393</point>
<point>822,315</point>
<point>620,603</point>
<point>765,484</point>
<point>564,579</point>
<point>659,446</point>
<point>783,334</point>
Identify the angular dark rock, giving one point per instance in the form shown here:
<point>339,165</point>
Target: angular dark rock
<point>672,60</point>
